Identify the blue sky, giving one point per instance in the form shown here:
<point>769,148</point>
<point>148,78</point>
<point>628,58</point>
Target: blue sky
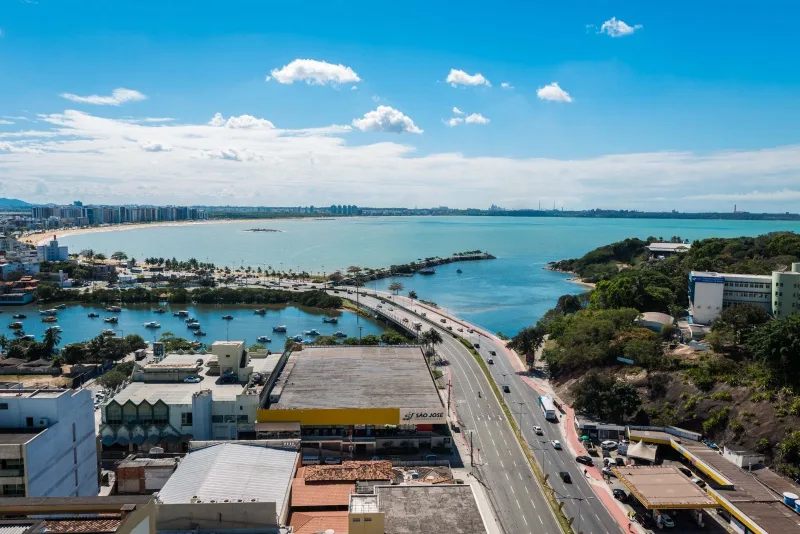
<point>692,107</point>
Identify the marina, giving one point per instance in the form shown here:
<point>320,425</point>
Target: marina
<point>80,323</point>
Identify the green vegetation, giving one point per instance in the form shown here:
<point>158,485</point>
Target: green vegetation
<point>102,348</point>
<point>606,397</point>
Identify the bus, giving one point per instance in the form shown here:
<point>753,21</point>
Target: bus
<point>547,406</point>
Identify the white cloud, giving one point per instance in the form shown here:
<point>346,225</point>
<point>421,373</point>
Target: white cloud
<point>454,121</point>
<point>242,121</point>
<point>314,72</point>
<point>553,92</point>
<point>118,96</point>
<point>617,28</point>
<point>152,146</point>
<point>4,121</point>
<point>459,77</point>
<point>386,119</point>
<point>80,155</point>
<point>354,88</point>
<point>506,85</point>
<point>457,111</point>
<point>376,98</point>
<point>476,118</point>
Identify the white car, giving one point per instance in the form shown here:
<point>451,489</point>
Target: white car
<point>537,430</point>
<point>192,379</point>
<point>556,444</point>
<point>391,309</point>
<point>608,444</point>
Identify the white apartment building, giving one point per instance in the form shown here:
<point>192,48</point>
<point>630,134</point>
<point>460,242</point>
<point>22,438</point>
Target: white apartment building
<point>710,293</point>
<point>52,251</point>
<point>47,444</point>
<point>159,409</point>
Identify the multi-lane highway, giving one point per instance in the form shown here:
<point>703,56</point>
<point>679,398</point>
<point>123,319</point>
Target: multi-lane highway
<point>516,495</point>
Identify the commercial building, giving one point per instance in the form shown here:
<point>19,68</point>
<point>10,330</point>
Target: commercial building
<point>230,486</point>
<point>667,249</point>
<point>131,514</point>
<point>356,400</point>
<point>710,293</point>
<point>85,215</point>
<point>138,474</point>
<point>159,409</point>
<point>52,251</point>
<point>415,508</point>
<point>47,443</point>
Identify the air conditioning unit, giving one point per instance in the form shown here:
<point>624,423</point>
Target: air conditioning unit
<point>42,422</point>
<point>226,500</point>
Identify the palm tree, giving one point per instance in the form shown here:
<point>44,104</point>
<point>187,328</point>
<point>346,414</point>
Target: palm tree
<point>412,295</point>
<point>431,338</point>
<point>3,343</point>
<point>52,338</point>
<point>396,287</point>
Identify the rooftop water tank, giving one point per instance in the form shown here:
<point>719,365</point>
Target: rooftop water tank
<point>789,499</point>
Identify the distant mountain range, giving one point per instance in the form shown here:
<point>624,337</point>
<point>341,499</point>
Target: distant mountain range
<point>13,203</point>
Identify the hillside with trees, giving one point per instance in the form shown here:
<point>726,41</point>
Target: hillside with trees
<point>743,391</point>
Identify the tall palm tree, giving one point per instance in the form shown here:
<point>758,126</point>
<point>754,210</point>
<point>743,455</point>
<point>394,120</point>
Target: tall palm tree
<point>52,338</point>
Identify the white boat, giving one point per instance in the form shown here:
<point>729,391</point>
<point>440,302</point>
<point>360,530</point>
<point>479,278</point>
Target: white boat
<point>51,311</point>
<point>54,328</point>
<point>152,324</point>
<point>193,326</point>
<point>299,339</point>
<point>279,328</point>
<point>331,320</point>
<point>312,332</point>
<point>61,307</point>
<point>109,333</point>
<point>264,339</point>
<point>181,313</point>
<point>114,309</point>
<point>339,333</point>
<point>111,320</point>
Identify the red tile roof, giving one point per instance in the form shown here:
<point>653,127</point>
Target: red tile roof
<point>321,495</point>
<point>83,525</point>
<point>350,471</point>
<point>314,522</point>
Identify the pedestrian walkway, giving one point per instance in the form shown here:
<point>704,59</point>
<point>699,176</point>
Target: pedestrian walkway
<point>485,507</point>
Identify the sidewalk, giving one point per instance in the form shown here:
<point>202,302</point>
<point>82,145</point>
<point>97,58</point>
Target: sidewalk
<point>484,506</point>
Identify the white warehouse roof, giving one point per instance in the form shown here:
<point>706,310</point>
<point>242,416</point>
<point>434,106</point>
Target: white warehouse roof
<point>233,471</point>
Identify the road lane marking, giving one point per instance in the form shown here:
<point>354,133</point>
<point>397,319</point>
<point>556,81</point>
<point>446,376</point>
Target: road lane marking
<point>518,505</point>
<point>540,519</point>
<point>507,477</point>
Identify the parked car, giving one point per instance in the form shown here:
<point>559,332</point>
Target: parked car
<point>556,444</point>
<point>450,328</point>
<point>608,472</point>
<point>330,460</point>
<point>460,329</point>
<point>667,521</point>
<point>620,495</point>
<point>537,430</point>
<point>585,460</point>
<point>442,321</point>
<point>506,388</point>
<point>643,520</point>
<point>608,444</point>
<point>686,471</point>
<point>563,475</point>
<point>192,379</point>
<point>699,482</point>
<point>711,445</point>
<point>619,461</point>
<point>476,345</point>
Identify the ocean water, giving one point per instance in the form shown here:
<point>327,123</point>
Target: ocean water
<point>505,294</point>
<point>245,325</point>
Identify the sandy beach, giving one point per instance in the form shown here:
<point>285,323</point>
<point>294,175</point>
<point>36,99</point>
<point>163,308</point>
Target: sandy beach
<point>41,238</point>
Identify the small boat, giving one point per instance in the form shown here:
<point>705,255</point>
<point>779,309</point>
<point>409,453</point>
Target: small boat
<point>152,324</point>
<point>114,309</point>
<point>108,332</point>
<point>61,307</point>
<point>260,311</point>
<point>28,337</point>
<point>299,339</point>
<point>459,271</point>
<point>279,328</point>
<point>112,320</point>
<point>93,315</point>
<point>49,319</point>
<point>227,317</point>
<point>193,326</point>
<point>331,320</point>
<point>159,310</point>
<point>199,333</point>
<point>51,311</point>
<point>190,320</point>
<point>427,271</point>
<point>54,328</point>
<point>182,313</point>
<point>15,326</point>
<point>20,316</point>
<point>339,333</point>
<point>312,332</point>
<point>263,339</point>
<point>19,333</point>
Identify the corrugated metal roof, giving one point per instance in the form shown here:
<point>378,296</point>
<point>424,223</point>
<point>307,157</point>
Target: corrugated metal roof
<point>232,471</point>
<point>15,529</point>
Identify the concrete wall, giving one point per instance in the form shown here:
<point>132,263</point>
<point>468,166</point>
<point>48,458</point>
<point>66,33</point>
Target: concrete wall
<point>785,293</point>
<point>707,303</point>
<point>217,516</point>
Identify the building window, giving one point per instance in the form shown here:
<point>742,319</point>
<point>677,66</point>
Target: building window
<point>230,418</point>
<point>242,419</point>
<point>216,419</point>
<point>160,413</point>
<point>29,421</point>
<point>13,490</point>
<point>367,519</point>
<point>186,419</point>
<point>3,406</point>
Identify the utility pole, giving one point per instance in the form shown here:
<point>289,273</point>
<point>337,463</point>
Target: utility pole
<point>449,391</point>
<point>471,451</point>
<point>360,328</point>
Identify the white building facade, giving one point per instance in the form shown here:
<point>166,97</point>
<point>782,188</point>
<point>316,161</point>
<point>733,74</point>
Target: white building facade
<point>48,446</point>
<point>710,293</point>
<point>52,251</point>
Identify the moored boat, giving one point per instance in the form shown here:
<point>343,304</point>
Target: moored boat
<point>93,315</point>
<point>260,311</point>
<point>227,317</point>
<point>199,333</point>
<point>159,310</point>
<point>51,311</point>
<point>49,319</point>
<point>181,313</point>
<point>298,339</point>
<point>263,339</point>
<point>15,326</point>
<point>113,320</point>
<point>279,328</point>
<point>152,324</point>
<point>459,271</point>
<point>28,337</point>
<point>108,332</point>
<point>54,328</point>
<point>61,307</point>
<point>193,326</point>
<point>339,333</point>
<point>331,320</point>
<point>312,332</point>
<point>20,316</point>
<point>113,309</point>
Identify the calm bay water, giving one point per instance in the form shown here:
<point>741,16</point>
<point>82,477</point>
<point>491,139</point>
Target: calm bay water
<point>502,295</point>
<point>245,325</point>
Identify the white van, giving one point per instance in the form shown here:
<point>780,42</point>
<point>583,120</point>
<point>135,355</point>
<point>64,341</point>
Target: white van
<point>310,460</point>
